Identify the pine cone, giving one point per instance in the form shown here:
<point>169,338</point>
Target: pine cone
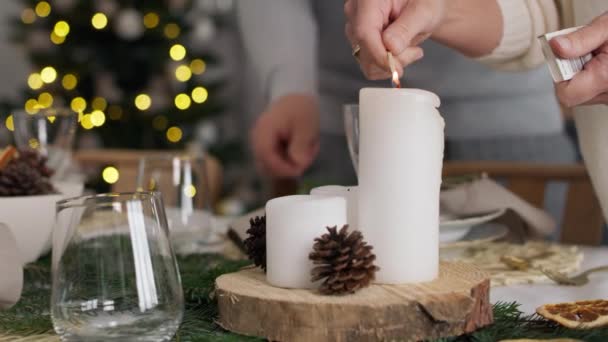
<point>256,242</point>
<point>346,261</point>
<point>26,175</point>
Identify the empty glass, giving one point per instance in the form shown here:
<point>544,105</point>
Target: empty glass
<point>115,276</point>
<point>182,181</point>
<point>351,128</point>
<point>51,132</point>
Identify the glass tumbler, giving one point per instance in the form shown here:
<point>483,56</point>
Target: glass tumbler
<point>351,128</point>
<point>115,277</point>
<point>182,181</point>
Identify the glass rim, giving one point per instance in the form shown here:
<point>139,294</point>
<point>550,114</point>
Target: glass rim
<point>51,111</point>
<point>79,201</point>
<point>169,156</point>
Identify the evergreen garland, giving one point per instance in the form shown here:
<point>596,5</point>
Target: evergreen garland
<point>31,315</point>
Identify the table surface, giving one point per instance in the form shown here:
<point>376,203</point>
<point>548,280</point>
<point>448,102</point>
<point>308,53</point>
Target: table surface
<point>531,296</point>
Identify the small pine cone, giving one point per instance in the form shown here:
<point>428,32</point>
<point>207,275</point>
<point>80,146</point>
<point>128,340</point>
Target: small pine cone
<point>345,260</point>
<point>256,242</point>
<point>23,177</point>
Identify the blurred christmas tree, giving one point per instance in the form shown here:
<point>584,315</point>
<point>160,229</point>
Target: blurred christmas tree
<point>127,67</point>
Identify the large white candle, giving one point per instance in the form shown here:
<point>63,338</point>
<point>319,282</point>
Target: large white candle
<point>400,161</point>
<point>292,224</point>
<point>349,193</point>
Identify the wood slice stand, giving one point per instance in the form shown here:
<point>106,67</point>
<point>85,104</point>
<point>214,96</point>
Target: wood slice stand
<point>457,302</point>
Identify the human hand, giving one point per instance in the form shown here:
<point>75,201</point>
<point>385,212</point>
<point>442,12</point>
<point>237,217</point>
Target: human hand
<point>590,86</point>
<point>285,138</point>
<point>398,26</point>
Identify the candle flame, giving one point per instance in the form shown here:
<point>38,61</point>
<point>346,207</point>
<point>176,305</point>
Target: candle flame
<point>396,82</point>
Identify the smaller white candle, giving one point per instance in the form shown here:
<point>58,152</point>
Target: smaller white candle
<point>349,193</point>
<point>292,224</point>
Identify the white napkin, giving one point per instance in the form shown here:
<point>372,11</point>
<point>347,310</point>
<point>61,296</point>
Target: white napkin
<point>486,195</point>
<point>11,271</point>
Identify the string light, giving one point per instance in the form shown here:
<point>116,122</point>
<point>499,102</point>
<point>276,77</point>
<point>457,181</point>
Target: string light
<point>172,31</point>
<point>160,123</point>
<point>182,101</point>
<point>28,16</point>
<point>10,125</point>
<point>174,134</point>
<point>34,81</point>
<point>51,118</point>
<point>78,104</point>
<point>183,73</point>
<point>56,39</point>
<point>43,9</point>
<point>62,28</point>
<point>177,52</point>
<point>199,94</point>
<point>69,81</point>
<point>48,74</point>
<point>110,175</point>
<point>190,191</point>
<point>31,106</point>
<point>99,21</point>
<point>98,118</point>
<point>151,20</point>
<point>99,103</point>
<point>45,100</point>
<point>115,112</point>
<point>86,122</point>
<point>198,66</point>
<point>143,101</point>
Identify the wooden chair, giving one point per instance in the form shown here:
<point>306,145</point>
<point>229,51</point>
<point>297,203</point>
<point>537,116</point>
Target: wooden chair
<point>127,162</point>
<point>582,221</point>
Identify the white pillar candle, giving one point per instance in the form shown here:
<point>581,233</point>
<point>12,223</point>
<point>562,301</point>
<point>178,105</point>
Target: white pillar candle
<point>349,193</point>
<point>400,161</point>
<point>292,224</point>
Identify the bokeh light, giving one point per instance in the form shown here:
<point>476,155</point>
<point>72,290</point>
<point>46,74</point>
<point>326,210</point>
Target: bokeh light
<point>31,106</point>
<point>99,21</point>
<point>45,100</point>
<point>172,31</point>
<point>34,81</point>
<point>177,52</point>
<point>182,101</point>
<point>151,20</point>
<point>43,9</point>
<point>110,175</point>
<point>86,121</point>
<point>198,66</point>
<point>10,125</point>
<point>115,112</point>
<point>62,28</point>
<point>143,101</point>
<point>99,103</point>
<point>78,104</point>
<point>199,94</point>
<point>34,143</point>
<point>183,73</point>
<point>69,81</point>
<point>48,74</point>
<point>28,16</point>
<point>174,134</point>
<point>160,123</point>
<point>190,191</point>
<point>98,118</point>
<point>56,39</point>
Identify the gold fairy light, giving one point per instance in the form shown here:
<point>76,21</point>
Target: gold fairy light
<point>183,73</point>
<point>115,112</point>
<point>78,104</point>
<point>110,175</point>
<point>174,134</point>
<point>56,39</point>
<point>151,20</point>
<point>86,122</point>
<point>62,28</point>
<point>69,81</point>
<point>198,66</point>
<point>45,100</point>
<point>43,9</point>
<point>99,21</point>
<point>31,106</point>
<point>199,94</point>
<point>28,16</point>
<point>10,125</point>
<point>98,118</point>
<point>34,81</point>
<point>48,74</point>
<point>182,101</point>
<point>177,52</point>
<point>172,31</point>
<point>143,101</point>
<point>160,123</point>
<point>99,103</point>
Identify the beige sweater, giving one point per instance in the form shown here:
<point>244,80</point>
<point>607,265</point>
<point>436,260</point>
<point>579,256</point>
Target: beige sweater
<point>519,49</point>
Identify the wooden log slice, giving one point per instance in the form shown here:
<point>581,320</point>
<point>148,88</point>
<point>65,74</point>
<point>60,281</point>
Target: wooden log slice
<point>457,302</point>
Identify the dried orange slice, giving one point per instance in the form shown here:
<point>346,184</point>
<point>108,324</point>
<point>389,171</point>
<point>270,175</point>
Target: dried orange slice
<point>585,314</point>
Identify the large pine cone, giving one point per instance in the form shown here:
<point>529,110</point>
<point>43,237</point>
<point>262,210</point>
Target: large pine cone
<point>26,175</point>
<point>345,260</point>
<point>256,242</point>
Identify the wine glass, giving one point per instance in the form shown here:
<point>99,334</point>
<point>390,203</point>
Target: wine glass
<point>115,277</point>
<point>51,132</point>
<point>182,181</point>
<point>351,128</point>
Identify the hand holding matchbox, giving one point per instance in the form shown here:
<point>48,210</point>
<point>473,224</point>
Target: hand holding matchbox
<point>562,69</point>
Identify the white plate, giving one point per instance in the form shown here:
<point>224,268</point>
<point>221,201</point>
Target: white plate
<point>451,230</point>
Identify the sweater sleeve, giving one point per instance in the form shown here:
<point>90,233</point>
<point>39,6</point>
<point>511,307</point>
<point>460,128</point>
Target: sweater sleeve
<point>280,39</point>
<point>523,22</point>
